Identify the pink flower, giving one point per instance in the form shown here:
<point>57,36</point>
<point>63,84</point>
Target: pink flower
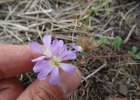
<point>77,48</point>
<point>55,54</point>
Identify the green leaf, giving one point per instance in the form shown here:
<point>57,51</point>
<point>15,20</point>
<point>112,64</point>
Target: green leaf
<point>96,41</point>
<point>75,62</point>
<point>131,54</point>
<point>137,56</point>
<point>104,40</point>
<point>89,15</point>
<point>117,42</point>
<point>85,54</point>
<point>134,49</point>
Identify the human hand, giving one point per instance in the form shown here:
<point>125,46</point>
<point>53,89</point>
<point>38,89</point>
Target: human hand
<point>15,60</point>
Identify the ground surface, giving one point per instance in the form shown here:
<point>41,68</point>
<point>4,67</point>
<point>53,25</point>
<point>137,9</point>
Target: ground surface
<point>108,74</point>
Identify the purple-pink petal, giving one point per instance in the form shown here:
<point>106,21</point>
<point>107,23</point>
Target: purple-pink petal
<point>60,44</point>
<point>55,41</point>
<point>47,41</point>
<point>77,48</point>
<point>68,68</point>
<point>74,46</point>
<point>54,47</point>
<point>40,65</point>
<point>54,76</point>
<point>36,47</point>
<point>69,56</point>
<point>63,52</point>
<point>39,58</point>
<point>43,74</point>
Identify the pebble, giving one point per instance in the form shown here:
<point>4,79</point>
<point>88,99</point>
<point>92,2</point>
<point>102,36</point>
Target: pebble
<point>123,89</point>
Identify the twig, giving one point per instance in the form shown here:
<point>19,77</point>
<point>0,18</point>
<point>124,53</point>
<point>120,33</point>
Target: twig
<point>12,33</point>
<point>115,78</point>
<point>5,1</point>
<point>128,36</point>
<point>29,77</point>
<point>123,17</point>
<point>84,12</point>
<point>84,79</point>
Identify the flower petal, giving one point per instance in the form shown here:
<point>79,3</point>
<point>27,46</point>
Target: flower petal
<point>68,68</point>
<point>40,65</point>
<point>54,41</point>
<point>74,46</point>
<point>63,52</point>
<point>47,41</point>
<point>60,44</point>
<point>54,76</point>
<point>69,56</point>
<point>43,74</point>
<point>39,58</point>
<point>77,48</point>
<point>54,47</point>
<point>35,46</point>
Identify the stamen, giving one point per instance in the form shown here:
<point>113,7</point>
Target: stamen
<point>55,61</point>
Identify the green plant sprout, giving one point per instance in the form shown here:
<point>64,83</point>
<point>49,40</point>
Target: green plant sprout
<point>134,49</point>
<point>96,7</point>
<point>96,41</point>
<point>89,15</point>
<point>85,54</point>
<point>76,63</point>
<point>103,3</point>
<point>117,42</point>
<point>134,53</point>
<point>106,5</point>
<point>104,40</point>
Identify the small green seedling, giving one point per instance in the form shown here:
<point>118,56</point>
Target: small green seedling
<point>104,40</point>
<point>134,49</point>
<point>106,5</point>
<point>85,54</point>
<point>89,15</point>
<point>76,63</point>
<point>134,53</point>
<point>117,42</point>
<point>96,41</point>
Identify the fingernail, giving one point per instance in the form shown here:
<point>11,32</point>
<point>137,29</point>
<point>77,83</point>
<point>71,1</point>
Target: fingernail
<point>68,83</point>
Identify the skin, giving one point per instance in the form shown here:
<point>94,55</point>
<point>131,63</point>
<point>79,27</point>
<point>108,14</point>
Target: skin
<point>15,60</point>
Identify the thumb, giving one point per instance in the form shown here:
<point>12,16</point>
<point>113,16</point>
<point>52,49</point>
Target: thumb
<point>43,90</point>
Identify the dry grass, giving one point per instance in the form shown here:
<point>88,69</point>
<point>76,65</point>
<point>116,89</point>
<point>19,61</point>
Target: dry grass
<point>23,21</point>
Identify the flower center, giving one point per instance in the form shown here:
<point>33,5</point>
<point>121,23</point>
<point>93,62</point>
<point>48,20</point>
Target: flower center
<point>55,61</point>
<point>47,52</point>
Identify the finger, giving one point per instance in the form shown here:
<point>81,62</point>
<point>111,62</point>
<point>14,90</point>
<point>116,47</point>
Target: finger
<point>42,90</point>
<point>15,59</point>
<point>10,88</point>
